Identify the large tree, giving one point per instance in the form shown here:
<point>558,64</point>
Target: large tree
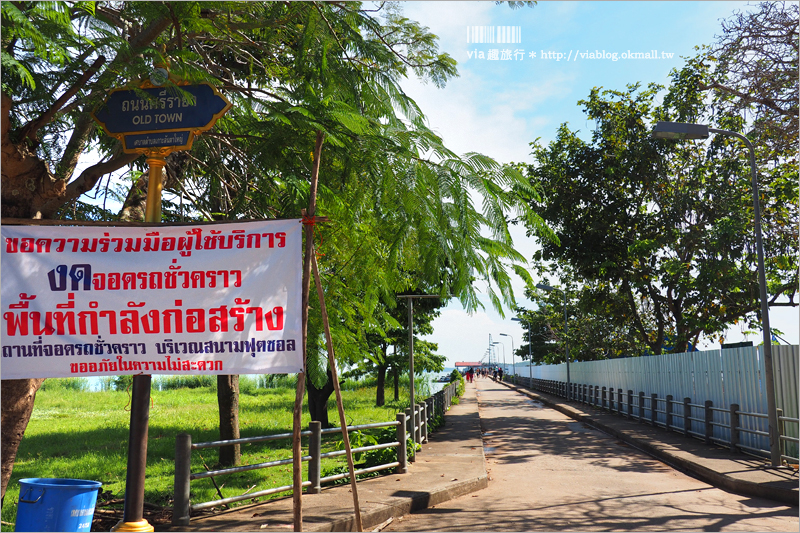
<point>665,226</point>
<point>584,325</point>
<point>754,64</point>
<point>399,200</point>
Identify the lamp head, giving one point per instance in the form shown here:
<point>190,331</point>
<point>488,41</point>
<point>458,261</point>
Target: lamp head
<point>544,287</point>
<point>679,130</point>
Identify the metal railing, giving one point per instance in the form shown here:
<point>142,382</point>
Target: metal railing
<point>646,409</point>
<point>413,425</point>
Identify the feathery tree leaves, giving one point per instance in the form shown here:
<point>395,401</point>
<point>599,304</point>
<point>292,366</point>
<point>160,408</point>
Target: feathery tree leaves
<point>402,206</point>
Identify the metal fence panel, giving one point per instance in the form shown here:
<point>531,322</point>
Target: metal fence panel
<point>708,385</point>
<point>742,372</point>
<point>722,376</point>
<point>785,363</point>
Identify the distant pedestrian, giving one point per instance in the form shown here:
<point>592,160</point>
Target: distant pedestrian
<point>469,375</point>
<point>494,373</point>
<point>500,374</point>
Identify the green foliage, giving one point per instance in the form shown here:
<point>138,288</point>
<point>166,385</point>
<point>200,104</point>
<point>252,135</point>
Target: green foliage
<point>73,384</point>
<point>591,333</point>
<point>184,382</point>
<point>121,383</point>
<point>461,386</point>
<point>46,31</point>
<point>655,236</point>
<point>277,381</point>
<point>435,422</point>
<point>370,458</point>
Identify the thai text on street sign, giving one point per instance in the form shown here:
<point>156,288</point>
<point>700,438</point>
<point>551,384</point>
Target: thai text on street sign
<point>161,117</point>
<point>101,301</point>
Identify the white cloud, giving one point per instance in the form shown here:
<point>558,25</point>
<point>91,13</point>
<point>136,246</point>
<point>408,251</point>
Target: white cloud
<point>498,123</point>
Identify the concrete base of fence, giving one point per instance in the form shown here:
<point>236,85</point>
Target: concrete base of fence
<point>713,464</point>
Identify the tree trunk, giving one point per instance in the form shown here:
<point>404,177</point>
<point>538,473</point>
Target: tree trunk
<point>318,400</point>
<point>396,383</point>
<point>228,400</point>
<point>17,406</point>
<point>380,396</point>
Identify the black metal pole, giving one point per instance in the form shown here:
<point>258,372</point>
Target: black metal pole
<point>769,380</point>
<point>566,343</point>
<point>133,511</point>
<point>413,456</point>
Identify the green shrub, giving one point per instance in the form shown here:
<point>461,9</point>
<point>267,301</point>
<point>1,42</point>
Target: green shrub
<point>276,381</point>
<point>248,384</point>
<point>360,439</point>
<point>184,382</point>
<point>435,422</point>
<point>122,383</point>
<point>54,384</point>
<point>461,386</point>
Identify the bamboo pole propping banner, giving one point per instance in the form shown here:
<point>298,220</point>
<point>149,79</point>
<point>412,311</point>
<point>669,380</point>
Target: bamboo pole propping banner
<point>337,389</point>
<point>308,228</point>
<point>95,301</point>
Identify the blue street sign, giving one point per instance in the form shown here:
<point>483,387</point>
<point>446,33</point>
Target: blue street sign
<point>165,120</point>
<point>125,111</point>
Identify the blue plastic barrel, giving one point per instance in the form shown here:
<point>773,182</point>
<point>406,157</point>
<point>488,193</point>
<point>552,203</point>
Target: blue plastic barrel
<point>47,504</point>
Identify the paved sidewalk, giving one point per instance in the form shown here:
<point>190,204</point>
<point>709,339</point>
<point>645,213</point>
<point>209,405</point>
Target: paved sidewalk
<point>717,466</point>
<point>452,464</point>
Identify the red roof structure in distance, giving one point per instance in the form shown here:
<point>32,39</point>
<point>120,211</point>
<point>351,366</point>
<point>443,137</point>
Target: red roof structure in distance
<point>467,365</point>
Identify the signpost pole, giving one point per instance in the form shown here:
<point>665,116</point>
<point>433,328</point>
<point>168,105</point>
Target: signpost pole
<point>133,511</point>
<point>154,187</point>
<point>155,132</point>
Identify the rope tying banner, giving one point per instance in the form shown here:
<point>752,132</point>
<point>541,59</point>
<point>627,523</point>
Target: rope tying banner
<point>312,221</point>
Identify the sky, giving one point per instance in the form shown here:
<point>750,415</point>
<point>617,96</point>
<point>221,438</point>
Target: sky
<point>557,52</point>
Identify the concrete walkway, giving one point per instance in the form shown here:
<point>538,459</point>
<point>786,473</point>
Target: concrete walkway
<point>717,466</point>
<point>452,464</point>
<point>549,472</point>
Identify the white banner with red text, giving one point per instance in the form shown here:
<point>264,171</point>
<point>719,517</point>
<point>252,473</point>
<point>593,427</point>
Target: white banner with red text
<point>101,301</point>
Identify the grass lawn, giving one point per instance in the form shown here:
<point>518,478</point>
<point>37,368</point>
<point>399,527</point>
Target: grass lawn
<point>84,435</point>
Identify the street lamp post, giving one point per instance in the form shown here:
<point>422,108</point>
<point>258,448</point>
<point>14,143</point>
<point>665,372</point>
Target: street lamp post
<point>530,343</point>
<point>410,298</point>
<point>548,288</point>
<point>683,131</point>
<point>505,368</point>
<point>512,355</point>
